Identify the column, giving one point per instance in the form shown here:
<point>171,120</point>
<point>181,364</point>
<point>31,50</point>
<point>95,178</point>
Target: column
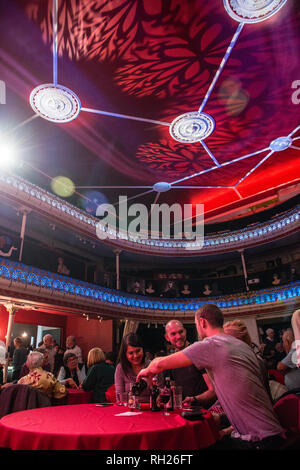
<point>118,323</point>
<point>117,253</point>
<point>11,308</point>
<point>244,269</point>
<point>25,212</point>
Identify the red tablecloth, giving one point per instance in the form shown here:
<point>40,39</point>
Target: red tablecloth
<point>90,427</point>
<point>75,397</point>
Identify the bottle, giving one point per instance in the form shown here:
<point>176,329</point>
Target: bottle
<point>154,396</point>
<point>138,387</point>
<point>170,405</point>
<point>131,398</point>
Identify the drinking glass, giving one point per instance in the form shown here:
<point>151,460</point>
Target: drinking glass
<point>164,397</point>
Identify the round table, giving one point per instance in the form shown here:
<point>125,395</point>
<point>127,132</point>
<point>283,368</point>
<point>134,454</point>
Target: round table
<point>91,427</point>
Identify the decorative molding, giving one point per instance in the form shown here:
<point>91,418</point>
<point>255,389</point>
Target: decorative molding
<point>60,211</point>
<point>30,284</point>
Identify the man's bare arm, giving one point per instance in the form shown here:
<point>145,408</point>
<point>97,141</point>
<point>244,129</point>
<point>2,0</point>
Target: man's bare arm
<point>159,364</point>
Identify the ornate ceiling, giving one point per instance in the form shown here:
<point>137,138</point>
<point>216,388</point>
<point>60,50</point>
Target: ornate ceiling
<point>138,65</point>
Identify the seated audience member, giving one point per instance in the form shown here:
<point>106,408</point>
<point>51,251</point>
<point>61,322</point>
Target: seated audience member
<point>72,347</point>
<point>44,381</point>
<point>58,359</point>
<point>150,290</point>
<point>215,289</point>
<point>239,330</point>
<point>276,280</point>
<point>131,361</point>
<point>62,268</point>
<point>100,375</point>
<point>279,353</point>
<point>19,358</point>
<point>296,331</point>
<point>197,388</point>
<point>269,350</point>
<point>148,356</point>
<point>186,291</point>
<point>45,364</point>
<point>71,373</point>
<point>207,290</point>
<point>110,358</point>
<point>48,345</point>
<point>170,291</point>
<point>237,380</point>
<point>293,276</point>
<point>288,365</point>
<point>137,290</point>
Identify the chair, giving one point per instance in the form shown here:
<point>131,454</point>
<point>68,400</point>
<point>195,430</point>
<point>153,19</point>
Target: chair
<point>110,394</point>
<point>277,375</point>
<point>287,409</point>
<point>19,397</point>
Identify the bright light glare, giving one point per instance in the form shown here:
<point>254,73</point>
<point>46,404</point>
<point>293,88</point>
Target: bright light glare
<point>7,155</point>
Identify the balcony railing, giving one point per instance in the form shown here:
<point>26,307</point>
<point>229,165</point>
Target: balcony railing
<point>52,206</point>
<point>21,279</point>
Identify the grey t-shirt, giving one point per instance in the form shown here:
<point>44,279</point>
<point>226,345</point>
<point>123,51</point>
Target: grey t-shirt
<point>236,375</point>
<point>292,378</point>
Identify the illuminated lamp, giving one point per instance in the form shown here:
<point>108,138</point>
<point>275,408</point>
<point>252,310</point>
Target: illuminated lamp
<point>282,143</point>
<point>252,11</point>
<point>192,127</point>
<point>55,103</point>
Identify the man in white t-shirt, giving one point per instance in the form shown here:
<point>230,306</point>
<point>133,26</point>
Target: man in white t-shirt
<point>237,378</point>
<point>72,347</point>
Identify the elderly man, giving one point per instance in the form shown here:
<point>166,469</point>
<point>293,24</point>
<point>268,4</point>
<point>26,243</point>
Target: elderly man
<point>288,365</point>
<point>270,349</point>
<point>72,347</point>
<point>237,379</point>
<point>48,345</point>
<point>196,385</point>
<point>39,378</point>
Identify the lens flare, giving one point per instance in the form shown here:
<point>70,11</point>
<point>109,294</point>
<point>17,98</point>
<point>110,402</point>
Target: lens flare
<point>62,186</point>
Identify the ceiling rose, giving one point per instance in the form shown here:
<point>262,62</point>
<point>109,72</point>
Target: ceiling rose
<point>55,103</point>
<point>252,11</point>
<point>192,127</point>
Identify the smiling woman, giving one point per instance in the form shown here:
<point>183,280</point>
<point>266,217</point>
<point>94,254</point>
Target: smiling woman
<point>131,362</point>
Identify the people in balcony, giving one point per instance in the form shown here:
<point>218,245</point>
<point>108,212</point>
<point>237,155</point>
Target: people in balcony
<point>62,268</point>
<point>170,292</point>
<point>186,292</point>
<point>149,290</point>
<point>137,288</point>
<point>207,290</point>
<point>276,280</point>
<point>293,276</point>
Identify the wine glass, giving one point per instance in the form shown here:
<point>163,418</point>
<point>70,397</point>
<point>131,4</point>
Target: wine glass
<point>164,397</point>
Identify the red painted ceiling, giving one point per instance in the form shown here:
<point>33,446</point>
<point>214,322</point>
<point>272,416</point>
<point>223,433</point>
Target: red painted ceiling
<point>154,59</point>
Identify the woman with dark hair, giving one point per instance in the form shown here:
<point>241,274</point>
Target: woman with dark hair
<point>130,362</point>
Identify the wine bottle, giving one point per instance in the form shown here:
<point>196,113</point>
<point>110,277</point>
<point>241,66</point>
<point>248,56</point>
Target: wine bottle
<point>170,405</point>
<point>138,387</point>
<point>154,396</point>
